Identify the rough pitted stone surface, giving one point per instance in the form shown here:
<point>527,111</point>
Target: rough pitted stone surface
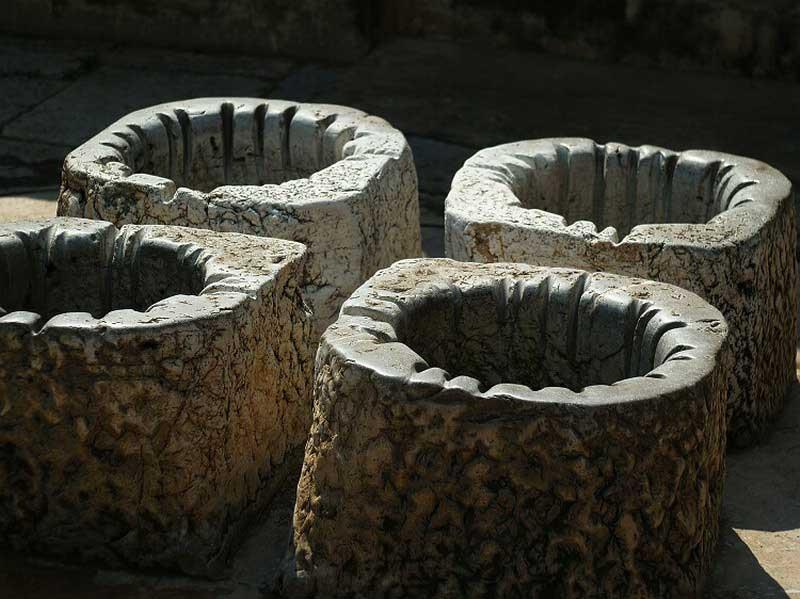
<point>504,430</point>
<point>332,177</point>
<point>719,225</point>
<point>154,388</point>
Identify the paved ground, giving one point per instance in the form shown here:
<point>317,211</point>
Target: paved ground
<point>449,100</point>
<point>32,205</point>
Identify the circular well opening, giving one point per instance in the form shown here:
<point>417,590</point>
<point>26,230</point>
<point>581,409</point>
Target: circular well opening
<point>553,333</point>
<point>617,186</point>
<point>205,146</point>
<point>58,270</point>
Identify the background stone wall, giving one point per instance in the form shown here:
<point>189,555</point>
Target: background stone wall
<point>754,38</point>
<point>305,28</point>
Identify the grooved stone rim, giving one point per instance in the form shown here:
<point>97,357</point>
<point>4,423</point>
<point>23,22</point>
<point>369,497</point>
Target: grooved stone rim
<point>366,331</point>
<point>750,193</point>
<point>567,201</point>
<point>417,482</point>
<point>225,284</point>
<point>152,432</point>
<point>332,177</point>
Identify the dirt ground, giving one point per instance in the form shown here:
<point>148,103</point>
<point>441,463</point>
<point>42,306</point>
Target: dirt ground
<point>35,205</point>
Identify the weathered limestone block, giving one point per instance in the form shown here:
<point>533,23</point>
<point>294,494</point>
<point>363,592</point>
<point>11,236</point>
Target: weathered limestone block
<point>504,430</point>
<point>154,388</point>
<point>331,177</point>
<point>721,226</point>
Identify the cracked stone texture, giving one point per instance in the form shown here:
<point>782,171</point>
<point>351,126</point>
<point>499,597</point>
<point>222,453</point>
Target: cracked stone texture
<point>584,459</point>
<point>719,225</point>
<point>332,177</point>
<point>154,384</point>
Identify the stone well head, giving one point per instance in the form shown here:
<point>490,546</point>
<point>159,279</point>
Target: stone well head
<point>57,268</point>
<point>154,389</point>
<point>719,225</point>
<point>559,330</point>
<point>334,178</point>
<point>206,143</point>
<point>510,430</point>
<point>617,193</point>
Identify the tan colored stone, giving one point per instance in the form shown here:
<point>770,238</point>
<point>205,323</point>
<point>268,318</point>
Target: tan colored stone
<point>721,226</point>
<point>154,388</point>
<point>503,430</point>
<point>331,177</point>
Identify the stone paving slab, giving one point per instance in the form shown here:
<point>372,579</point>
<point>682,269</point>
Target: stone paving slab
<point>95,101</point>
<point>20,93</point>
<point>432,241</point>
<point>27,165</point>
<point>313,28</point>
<point>759,547</point>
<point>436,162</point>
<point>33,70</point>
<point>475,97</point>
<point>52,59</point>
<point>58,94</point>
<point>270,68</point>
<point>430,213</point>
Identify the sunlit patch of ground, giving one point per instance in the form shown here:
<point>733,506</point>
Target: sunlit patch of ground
<point>25,207</point>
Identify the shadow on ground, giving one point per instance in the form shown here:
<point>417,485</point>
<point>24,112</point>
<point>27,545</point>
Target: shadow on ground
<point>759,548</point>
<point>252,570</point>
